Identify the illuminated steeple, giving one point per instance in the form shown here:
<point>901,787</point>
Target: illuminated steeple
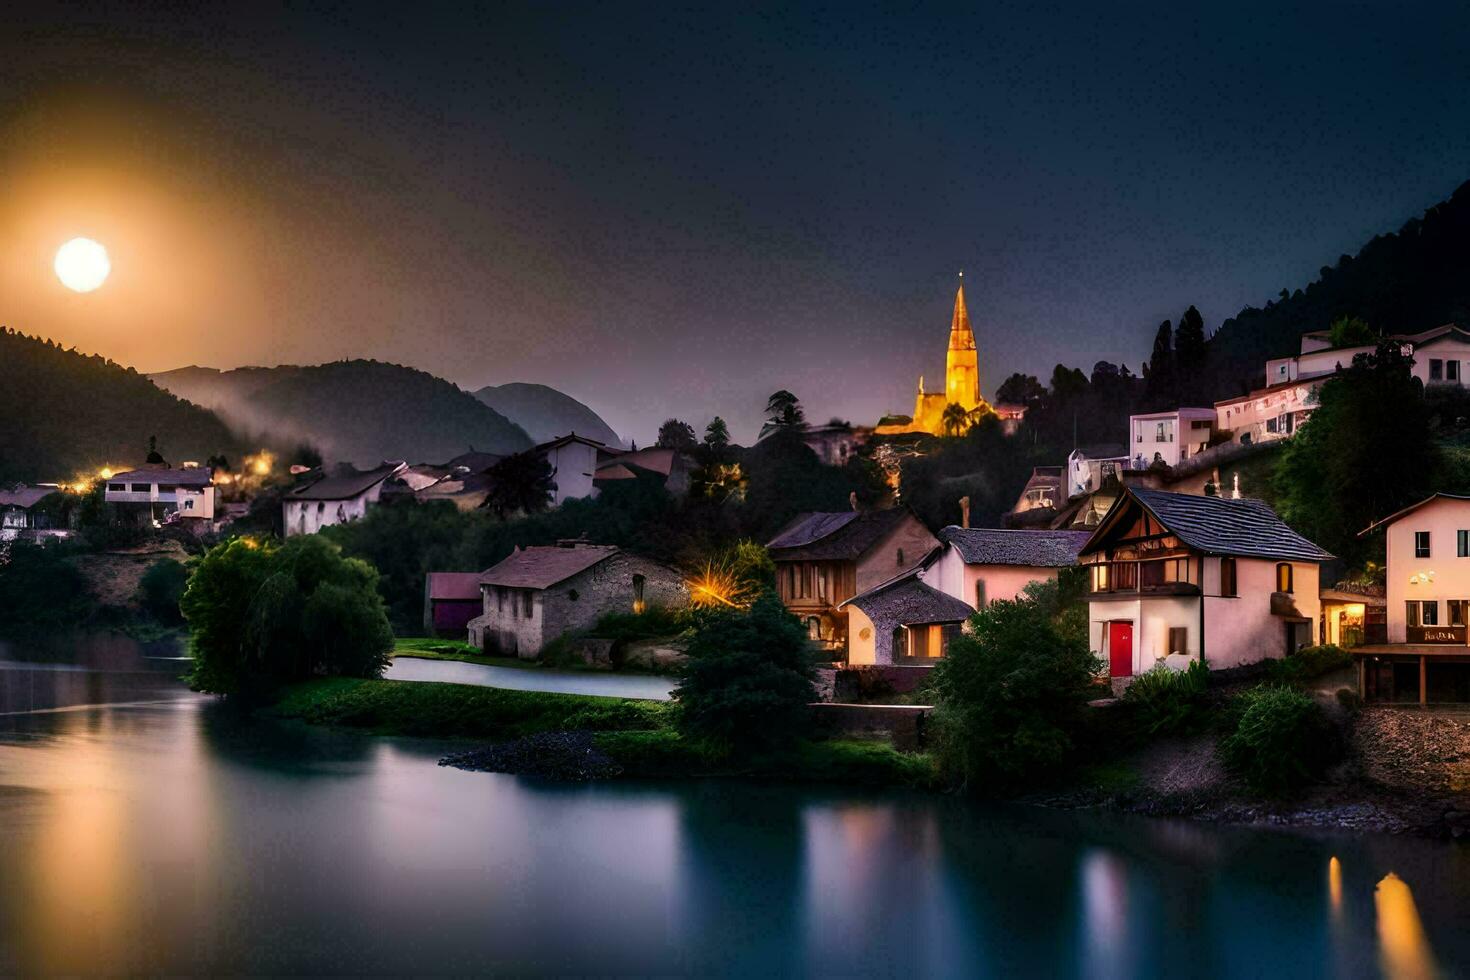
<point>961,337</point>
<point>962,364</point>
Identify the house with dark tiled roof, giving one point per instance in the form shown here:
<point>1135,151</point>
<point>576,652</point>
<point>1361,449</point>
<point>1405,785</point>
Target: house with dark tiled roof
<point>540,593</point>
<point>155,492</point>
<point>336,498</point>
<point>903,621</point>
<point>982,564</point>
<point>1175,578</point>
<point>824,558</point>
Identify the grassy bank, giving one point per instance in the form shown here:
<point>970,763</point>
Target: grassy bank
<point>430,648</point>
<point>639,735</point>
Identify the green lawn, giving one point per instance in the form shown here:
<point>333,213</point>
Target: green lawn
<point>430,648</point>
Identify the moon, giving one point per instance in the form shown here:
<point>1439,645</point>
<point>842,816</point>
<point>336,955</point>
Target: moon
<point>82,265</point>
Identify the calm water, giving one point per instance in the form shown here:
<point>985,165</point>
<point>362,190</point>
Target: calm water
<point>165,834</point>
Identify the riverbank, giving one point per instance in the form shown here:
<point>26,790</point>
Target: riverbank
<point>636,736</point>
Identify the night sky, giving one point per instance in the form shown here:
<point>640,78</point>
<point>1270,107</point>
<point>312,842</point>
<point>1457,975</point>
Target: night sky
<point>675,212</point>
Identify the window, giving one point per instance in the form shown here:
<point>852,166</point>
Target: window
<point>1421,544</point>
<point>500,599</point>
<point>188,505</point>
<point>637,593</point>
<point>1428,612</point>
<point>980,587</point>
<point>900,643</point>
<point>1178,639</point>
<point>1452,371</point>
<point>1436,369</point>
<point>528,602</point>
<point>117,487</point>
<point>813,628</point>
<point>1455,610</point>
<point>1227,576</point>
<point>1283,577</point>
<point>1462,544</point>
<point>1164,431</point>
<point>141,487</point>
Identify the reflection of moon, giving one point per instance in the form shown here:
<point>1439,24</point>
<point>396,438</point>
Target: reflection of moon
<point>82,265</point>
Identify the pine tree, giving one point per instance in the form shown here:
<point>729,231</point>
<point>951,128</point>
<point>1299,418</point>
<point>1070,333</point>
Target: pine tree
<point>1189,344</point>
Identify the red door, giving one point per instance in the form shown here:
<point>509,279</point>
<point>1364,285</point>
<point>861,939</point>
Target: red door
<point>1120,649</point>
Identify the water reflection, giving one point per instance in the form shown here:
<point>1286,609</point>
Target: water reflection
<point>1405,948</point>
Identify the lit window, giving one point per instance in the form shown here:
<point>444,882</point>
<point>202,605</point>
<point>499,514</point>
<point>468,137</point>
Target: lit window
<point>1283,577</point>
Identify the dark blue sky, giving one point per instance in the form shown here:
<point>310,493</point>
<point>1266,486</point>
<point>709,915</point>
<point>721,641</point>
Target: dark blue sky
<point>674,212</point>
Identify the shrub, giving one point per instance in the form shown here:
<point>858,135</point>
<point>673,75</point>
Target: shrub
<point>262,614</point>
<point>1009,695</point>
<point>748,679</point>
<point>1281,741</point>
<point>39,588</point>
<point>625,627</point>
<point>161,588</point>
<point>1307,663</point>
<point>1168,702</point>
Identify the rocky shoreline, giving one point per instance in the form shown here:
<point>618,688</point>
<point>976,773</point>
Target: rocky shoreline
<point>567,756</point>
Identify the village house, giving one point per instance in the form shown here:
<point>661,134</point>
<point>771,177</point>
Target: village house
<point>1175,578</point>
<point>156,492</point>
<point>574,461</point>
<point>981,564</point>
<point>1169,437</point>
<point>902,621</point>
<point>451,600</point>
<point>538,594</point>
<point>1039,500</point>
<point>823,559</point>
<point>343,496</point>
<point>21,517</point>
<point>1427,656</point>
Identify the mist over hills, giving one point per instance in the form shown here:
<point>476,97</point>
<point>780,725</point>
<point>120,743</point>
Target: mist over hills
<point>361,411</point>
<point>64,413</point>
<point>546,413</point>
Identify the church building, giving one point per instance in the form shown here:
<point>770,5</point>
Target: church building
<point>961,385</point>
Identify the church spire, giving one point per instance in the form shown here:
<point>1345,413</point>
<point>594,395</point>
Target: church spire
<point>961,337</point>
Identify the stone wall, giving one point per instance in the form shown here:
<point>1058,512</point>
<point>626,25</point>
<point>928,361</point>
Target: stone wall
<point>875,681</point>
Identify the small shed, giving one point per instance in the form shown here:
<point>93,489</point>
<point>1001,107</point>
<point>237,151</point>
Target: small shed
<point>451,600</point>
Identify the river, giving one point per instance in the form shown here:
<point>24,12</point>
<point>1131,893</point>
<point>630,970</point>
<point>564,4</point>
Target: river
<point>147,830</point>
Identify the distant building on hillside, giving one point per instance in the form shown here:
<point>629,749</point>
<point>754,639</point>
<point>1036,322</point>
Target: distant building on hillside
<point>156,492</point>
<point>1169,437</point>
<point>343,496</point>
<point>21,517</point>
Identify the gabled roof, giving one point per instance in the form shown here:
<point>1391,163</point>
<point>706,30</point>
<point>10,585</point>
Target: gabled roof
<point>1244,528</point>
<point>908,601</point>
<point>998,546</point>
<point>194,476</point>
<point>345,485</point>
<point>1405,512</point>
<point>567,440</point>
<point>542,566</point>
<point>835,536</point>
<point>454,585</point>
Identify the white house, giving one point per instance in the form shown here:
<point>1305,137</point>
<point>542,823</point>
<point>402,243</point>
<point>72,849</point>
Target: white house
<point>1268,414</point>
<point>21,518</point>
<point>1176,578</point>
<point>188,491</point>
<point>1090,467</point>
<point>344,496</point>
<point>1427,657</point>
<point>574,461</point>
<point>1169,436</point>
<point>981,564</point>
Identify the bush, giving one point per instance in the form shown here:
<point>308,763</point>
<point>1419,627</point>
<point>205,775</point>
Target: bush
<point>653,622</point>
<point>1168,702</point>
<point>1281,742</point>
<point>40,589</point>
<point>161,588</point>
<point>748,679</point>
<point>1307,663</point>
<point>262,614</point>
<point>1010,695</point>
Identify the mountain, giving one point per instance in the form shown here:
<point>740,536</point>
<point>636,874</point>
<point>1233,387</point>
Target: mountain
<point>546,413</point>
<point>1401,282</point>
<point>63,413</point>
<point>359,411</point>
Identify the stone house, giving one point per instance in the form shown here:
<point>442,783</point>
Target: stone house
<point>1175,578</point>
<point>823,559</point>
<point>540,593</point>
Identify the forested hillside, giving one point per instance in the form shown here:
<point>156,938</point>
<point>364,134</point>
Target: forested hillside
<point>63,413</point>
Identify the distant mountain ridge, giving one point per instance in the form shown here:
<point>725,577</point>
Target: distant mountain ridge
<point>64,414</point>
<point>546,413</point>
<point>361,411</point>
<point>1401,282</point>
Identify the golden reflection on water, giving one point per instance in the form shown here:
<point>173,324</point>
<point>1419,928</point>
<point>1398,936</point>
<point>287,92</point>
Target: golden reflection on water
<point>1334,885</point>
<point>1403,948</point>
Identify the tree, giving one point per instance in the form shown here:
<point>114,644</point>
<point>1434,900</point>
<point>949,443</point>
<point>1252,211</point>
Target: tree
<point>522,483</point>
<point>783,411</point>
<point>1020,389</point>
<point>674,434</point>
<point>717,434</point>
<point>954,419</point>
<point>1160,371</point>
<point>1009,694</point>
<point>160,589</point>
<point>1351,331</point>
<point>39,589</point>
<point>1189,345</point>
<point>1353,462</point>
<point>748,679</point>
<point>262,615</point>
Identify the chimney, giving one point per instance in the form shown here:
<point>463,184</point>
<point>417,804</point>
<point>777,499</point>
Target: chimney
<point>964,512</point>
<point>852,499</point>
